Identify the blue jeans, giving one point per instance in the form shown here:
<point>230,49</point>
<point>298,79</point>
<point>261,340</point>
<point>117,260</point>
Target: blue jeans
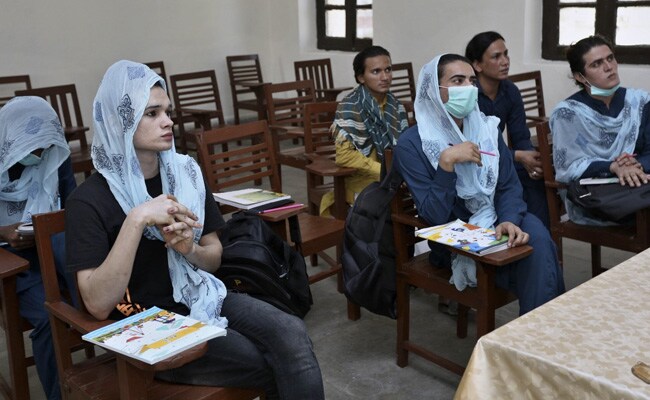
<point>31,300</point>
<point>264,348</point>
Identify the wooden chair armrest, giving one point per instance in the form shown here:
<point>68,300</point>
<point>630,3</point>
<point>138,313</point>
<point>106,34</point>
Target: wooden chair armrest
<point>79,321</point>
<point>325,166</point>
<point>286,130</point>
<point>83,323</point>
<point>174,361</point>
<point>332,93</point>
<point>500,258</point>
<point>11,264</point>
<point>278,216</point>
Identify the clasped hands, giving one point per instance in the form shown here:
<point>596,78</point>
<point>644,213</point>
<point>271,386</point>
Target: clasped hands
<point>628,170</point>
<point>175,222</point>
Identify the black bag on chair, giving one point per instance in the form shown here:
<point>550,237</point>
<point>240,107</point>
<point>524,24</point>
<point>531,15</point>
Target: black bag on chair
<point>257,261</point>
<point>610,201</point>
<point>368,257</point>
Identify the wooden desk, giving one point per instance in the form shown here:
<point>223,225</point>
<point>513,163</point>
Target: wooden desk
<point>581,345</point>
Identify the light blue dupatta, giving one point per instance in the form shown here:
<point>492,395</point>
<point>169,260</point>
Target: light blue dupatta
<point>118,107</point>
<point>474,184</point>
<point>27,124</point>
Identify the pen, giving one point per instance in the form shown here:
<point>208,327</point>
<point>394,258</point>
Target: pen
<point>487,153</point>
<point>283,208</point>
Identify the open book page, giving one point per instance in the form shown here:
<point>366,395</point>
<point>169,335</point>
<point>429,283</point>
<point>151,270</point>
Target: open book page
<point>464,236</point>
<point>153,335</point>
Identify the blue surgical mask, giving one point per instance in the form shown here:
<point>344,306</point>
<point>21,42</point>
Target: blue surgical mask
<point>596,91</point>
<point>462,100</point>
<point>30,159</point>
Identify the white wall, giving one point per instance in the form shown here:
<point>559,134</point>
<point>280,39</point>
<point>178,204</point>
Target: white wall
<point>72,41</point>
<point>418,30</point>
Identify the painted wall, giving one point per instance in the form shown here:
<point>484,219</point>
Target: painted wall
<point>72,41</point>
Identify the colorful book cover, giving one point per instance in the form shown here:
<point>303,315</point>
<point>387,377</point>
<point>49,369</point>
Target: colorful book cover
<point>464,236</point>
<point>153,335</point>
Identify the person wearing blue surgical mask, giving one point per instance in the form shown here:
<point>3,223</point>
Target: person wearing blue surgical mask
<point>457,166</point>
<point>603,130</point>
<point>35,177</point>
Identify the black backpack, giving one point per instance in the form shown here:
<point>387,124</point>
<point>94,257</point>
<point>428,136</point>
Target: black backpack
<point>257,261</point>
<point>369,248</point>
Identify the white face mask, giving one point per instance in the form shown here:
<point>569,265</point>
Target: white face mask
<point>462,100</point>
<point>596,91</point>
<point>30,159</point>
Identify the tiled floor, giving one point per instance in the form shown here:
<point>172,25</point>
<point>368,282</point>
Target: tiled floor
<point>357,359</point>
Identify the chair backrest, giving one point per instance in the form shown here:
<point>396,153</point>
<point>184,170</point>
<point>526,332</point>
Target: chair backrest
<point>532,93</point>
<point>64,101</point>
<point>10,84</point>
<point>403,84</point>
<point>159,68</point>
<point>243,68</point>
<point>318,71</point>
<point>545,143</point>
<point>239,165</point>
<point>318,118</point>
<point>285,102</point>
<point>197,90</point>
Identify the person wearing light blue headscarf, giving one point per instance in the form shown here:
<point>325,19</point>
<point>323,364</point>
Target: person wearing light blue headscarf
<point>35,177</point>
<point>144,233</point>
<point>457,166</point>
<point>603,130</point>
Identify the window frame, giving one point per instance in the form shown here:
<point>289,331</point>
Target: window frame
<point>348,43</point>
<point>605,25</point>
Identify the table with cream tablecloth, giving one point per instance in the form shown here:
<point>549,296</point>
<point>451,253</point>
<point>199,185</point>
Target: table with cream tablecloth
<point>581,345</point>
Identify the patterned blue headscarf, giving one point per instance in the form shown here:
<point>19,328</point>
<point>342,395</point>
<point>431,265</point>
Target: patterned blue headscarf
<point>27,124</point>
<point>119,105</point>
<point>474,184</point>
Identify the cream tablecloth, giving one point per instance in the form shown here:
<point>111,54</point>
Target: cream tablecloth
<point>578,346</point>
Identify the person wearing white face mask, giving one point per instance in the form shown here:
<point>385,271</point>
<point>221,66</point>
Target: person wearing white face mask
<point>603,130</point>
<point>36,177</point>
<point>457,165</point>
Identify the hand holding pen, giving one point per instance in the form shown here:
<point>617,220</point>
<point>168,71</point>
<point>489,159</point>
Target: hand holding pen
<point>462,152</point>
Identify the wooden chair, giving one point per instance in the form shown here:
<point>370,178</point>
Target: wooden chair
<point>159,68</point>
<point>532,93</point>
<point>628,238</point>
<point>65,103</point>
<point>196,98</point>
<point>109,376</point>
<point>11,84</point>
<point>419,273</point>
<point>241,166</point>
<point>403,87</point>
<point>15,386</point>
<point>320,149</point>
<point>245,84</point>
<point>320,73</point>
<point>285,104</point>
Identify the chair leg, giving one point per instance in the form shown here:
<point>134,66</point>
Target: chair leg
<point>403,319</point>
<point>461,323</point>
<point>354,311</point>
<point>596,265</point>
<point>14,340</point>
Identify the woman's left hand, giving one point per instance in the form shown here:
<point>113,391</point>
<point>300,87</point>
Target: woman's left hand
<point>516,237</point>
<point>178,236</point>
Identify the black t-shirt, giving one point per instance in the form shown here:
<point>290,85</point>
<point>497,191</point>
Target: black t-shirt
<point>93,221</point>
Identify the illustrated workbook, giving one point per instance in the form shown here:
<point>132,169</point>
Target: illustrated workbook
<point>464,236</point>
<point>153,335</point>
